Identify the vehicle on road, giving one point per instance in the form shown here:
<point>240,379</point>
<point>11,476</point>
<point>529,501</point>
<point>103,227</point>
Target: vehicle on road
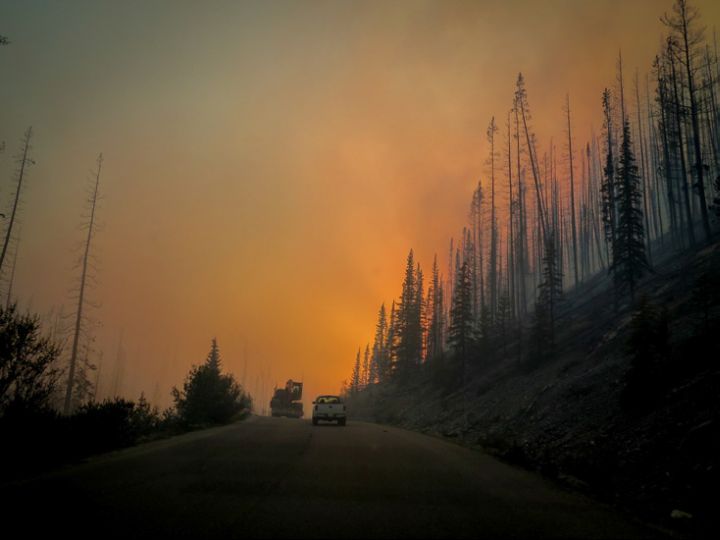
<point>329,409</point>
<point>286,401</point>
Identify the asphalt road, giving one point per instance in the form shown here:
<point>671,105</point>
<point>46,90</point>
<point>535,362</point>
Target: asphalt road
<point>277,477</point>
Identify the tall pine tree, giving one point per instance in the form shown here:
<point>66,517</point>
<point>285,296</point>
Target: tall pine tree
<point>408,329</point>
<point>462,326</point>
<point>436,312</point>
<point>628,250</point>
<point>379,362</point>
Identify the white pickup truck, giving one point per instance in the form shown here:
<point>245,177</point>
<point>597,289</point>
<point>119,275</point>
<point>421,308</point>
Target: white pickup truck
<point>329,408</point>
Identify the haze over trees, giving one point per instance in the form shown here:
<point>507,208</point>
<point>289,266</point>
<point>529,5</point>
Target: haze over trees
<point>646,185</point>
<point>50,374</point>
<point>75,383</point>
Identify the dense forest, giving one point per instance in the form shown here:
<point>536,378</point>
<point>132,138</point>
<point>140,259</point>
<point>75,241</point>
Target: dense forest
<point>544,221</point>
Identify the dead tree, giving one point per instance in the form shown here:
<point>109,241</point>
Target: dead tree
<point>688,39</point>
<point>492,277</point>
<point>678,101</point>
<point>644,175</point>
<point>521,99</point>
<point>24,161</point>
<point>522,222</point>
<point>8,300</point>
<point>572,191</point>
<point>91,227</point>
<point>511,235</point>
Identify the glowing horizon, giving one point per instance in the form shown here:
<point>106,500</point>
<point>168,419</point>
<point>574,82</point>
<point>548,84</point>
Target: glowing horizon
<point>269,165</point>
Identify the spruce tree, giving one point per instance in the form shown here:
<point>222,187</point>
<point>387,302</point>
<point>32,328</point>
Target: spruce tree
<point>408,330</point>
<point>549,296</point>
<point>461,331</point>
<point>213,357</point>
<point>379,358</point>
<point>435,325</point>
<point>208,395</point>
<point>419,318</point>
<point>503,318</point>
<point>629,261</point>
<point>355,378</point>
<point>365,374</point>
<point>390,358</point>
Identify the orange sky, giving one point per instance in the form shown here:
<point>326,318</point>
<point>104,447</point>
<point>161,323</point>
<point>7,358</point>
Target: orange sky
<point>269,164</point>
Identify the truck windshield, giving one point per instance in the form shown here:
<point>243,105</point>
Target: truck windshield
<point>328,399</point>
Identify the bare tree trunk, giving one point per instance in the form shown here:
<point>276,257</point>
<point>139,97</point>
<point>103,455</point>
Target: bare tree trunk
<point>492,129</point>
<point>665,124</point>
<point>511,239</point>
<point>533,166</point>
<point>572,192</point>
<point>81,295</point>
<point>699,167</point>
<point>25,162</point>
<point>8,300</point>
<point>681,150</point>
<point>654,160</point>
<point>644,175</point>
<point>522,227</point>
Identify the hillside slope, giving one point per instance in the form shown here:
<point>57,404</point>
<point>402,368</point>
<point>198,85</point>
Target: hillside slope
<point>648,440</point>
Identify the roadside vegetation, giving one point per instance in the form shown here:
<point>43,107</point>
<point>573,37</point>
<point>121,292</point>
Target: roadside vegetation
<point>36,435</point>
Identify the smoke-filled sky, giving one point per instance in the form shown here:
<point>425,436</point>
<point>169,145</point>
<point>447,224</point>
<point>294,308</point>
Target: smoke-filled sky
<point>269,164</point>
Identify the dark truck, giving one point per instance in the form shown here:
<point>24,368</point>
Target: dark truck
<point>286,401</point>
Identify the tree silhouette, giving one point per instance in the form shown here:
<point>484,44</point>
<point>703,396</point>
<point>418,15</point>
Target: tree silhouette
<point>209,396</point>
<point>408,330</point>
<point>629,261</point>
<point>379,365</point>
<point>355,379</point>
<point>29,368</point>
<point>462,325</point>
<point>84,265</point>
<point>549,296</point>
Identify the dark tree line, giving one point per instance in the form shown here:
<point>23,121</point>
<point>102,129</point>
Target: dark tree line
<point>648,183</point>
<point>31,374</point>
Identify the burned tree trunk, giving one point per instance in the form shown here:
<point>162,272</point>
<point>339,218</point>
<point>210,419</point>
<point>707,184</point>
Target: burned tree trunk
<point>81,294</point>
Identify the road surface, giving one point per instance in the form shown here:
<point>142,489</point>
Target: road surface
<point>277,477</point>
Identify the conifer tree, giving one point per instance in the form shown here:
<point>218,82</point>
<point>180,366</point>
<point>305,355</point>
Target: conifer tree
<point>461,331</point>
<point>408,346</point>
<point>390,341</point>
<point>355,378</point>
<point>365,373</point>
<point>629,262</point>
<point>379,362</point>
<point>213,357</point>
<point>419,316</point>
<point>435,327</point>
<point>476,213</point>
<point>503,318</point>
<point>549,296</point>
<point>208,395</point>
